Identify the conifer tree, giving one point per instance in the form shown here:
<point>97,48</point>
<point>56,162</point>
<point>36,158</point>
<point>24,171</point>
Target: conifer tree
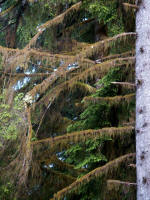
<point>68,76</point>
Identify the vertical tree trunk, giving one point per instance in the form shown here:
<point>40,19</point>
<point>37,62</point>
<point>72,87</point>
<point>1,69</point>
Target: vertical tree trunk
<point>143,99</point>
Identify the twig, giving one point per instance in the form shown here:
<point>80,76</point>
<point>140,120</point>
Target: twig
<point>131,5</point>
<point>123,83</point>
<point>120,182</point>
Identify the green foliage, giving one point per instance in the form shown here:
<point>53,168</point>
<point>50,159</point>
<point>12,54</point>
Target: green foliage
<point>98,115</point>
<point>94,117</point>
<point>116,27</point>
<point>107,13</point>
<point>90,191</point>
<point>11,117</point>
<point>39,12</point>
<point>90,154</point>
<point>82,155</point>
<point>6,191</point>
<point>105,88</point>
<point>104,10</point>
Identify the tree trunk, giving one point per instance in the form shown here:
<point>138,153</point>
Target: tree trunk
<point>143,100</point>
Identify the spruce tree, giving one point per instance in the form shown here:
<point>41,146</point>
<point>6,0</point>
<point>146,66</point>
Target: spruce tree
<point>67,75</point>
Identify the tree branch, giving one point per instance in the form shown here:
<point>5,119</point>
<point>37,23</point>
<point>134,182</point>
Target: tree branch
<point>105,171</point>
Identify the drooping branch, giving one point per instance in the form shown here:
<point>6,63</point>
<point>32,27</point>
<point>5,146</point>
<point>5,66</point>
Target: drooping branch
<point>47,83</point>
<point>82,86</point>
<point>105,171</point>
<point>23,56</point>
<point>25,75</point>
<point>58,179</point>
<point>59,143</point>
<point>102,46</point>
<point>57,20</point>
<point>121,188</point>
<point>5,12</point>
<point>63,165</point>
<point>63,177</point>
<point>97,71</point>
<point>41,55</point>
<point>5,50</point>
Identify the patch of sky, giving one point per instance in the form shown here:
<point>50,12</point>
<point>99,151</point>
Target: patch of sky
<point>38,28</point>
<point>84,19</point>
<point>60,155</point>
<point>55,69</point>
<point>61,63</point>
<point>23,82</point>
<point>72,66</point>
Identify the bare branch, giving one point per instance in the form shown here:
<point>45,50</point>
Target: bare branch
<point>130,5</point>
<point>117,182</point>
<point>124,84</point>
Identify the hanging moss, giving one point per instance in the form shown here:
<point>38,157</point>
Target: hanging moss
<point>61,73</point>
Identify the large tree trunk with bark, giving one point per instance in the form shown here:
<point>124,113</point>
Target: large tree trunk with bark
<point>143,99</point>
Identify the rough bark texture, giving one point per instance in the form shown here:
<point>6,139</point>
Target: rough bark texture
<point>143,99</point>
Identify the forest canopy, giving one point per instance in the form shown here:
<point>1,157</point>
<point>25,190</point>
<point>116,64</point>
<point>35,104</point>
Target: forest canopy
<point>67,100</point>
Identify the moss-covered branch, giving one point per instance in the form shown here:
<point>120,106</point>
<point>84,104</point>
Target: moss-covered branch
<point>110,100</point>
<point>97,71</point>
<point>59,143</point>
<point>105,171</point>
<point>102,46</point>
<point>55,21</point>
